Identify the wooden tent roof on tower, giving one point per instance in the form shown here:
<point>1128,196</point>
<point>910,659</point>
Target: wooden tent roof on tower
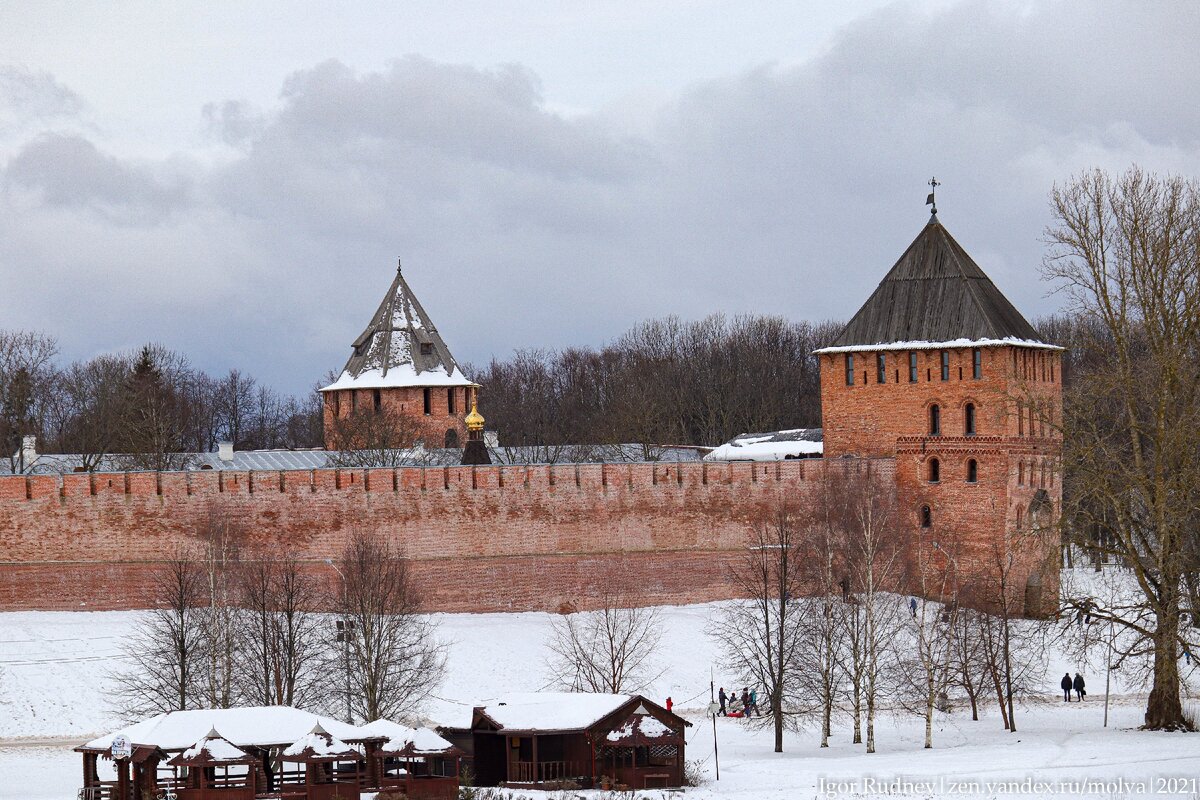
<point>935,296</point>
<point>400,347</point>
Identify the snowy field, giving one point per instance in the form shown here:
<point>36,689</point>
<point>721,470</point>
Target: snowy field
<point>55,667</point>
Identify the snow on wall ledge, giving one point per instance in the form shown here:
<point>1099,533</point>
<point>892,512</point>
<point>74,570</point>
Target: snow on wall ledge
<point>496,538</point>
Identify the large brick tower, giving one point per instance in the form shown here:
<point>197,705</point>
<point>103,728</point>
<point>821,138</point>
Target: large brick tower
<point>401,367</point>
<point>941,372</point>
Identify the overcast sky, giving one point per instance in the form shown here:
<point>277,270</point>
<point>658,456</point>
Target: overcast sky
<point>236,181</point>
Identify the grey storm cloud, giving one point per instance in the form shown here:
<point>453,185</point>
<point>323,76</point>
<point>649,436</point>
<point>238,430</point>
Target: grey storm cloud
<point>786,189</point>
<point>68,170</point>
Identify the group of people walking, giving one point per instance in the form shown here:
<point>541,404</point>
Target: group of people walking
<point>1067,684</point>
<point>733,705</point>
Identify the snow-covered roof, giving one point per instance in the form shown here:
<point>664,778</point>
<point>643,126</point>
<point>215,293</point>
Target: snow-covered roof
<point>639,729</point>
<point>417,741</point>
<point>256,726</point>
<point>212,749</point>
<point>551,711</point>
<point>771,446</point>
<point>400,347</point>
<point>952,344</point>
<point>399,376</point>
<point>318,745</point>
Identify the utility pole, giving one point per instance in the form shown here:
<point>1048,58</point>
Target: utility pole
<point>713,708</point>
<point>1108,671</point>
<point>345,629</point>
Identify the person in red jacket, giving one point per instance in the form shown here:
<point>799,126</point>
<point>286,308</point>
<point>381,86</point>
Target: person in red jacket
<point>670,703</point>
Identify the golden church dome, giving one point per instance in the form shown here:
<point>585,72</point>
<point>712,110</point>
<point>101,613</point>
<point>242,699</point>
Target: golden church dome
<point>474,420</point>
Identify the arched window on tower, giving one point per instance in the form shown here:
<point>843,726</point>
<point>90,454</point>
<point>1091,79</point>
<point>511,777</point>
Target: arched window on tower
<point>935,420</point>
<point>912,367</point>
<point>881,368</point>
<point>945,365</point>
<point>377,400</point>
<point>935,470</point>
<point>972,470</point>
<point>976,363</point>
<point>451,440</point>
<point>849,369</point>
<point>926,517</point>
<point>1020,518</point>
<point>969,419</point>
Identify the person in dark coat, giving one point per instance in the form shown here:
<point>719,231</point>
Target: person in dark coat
<point>1066,683</point>
<point>912,606</point>
<point>746,701</point>
<point>723,697</point>
<point>1078,686</point>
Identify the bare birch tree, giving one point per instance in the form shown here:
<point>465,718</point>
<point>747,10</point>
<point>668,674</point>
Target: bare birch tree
<point>824,627</point>
<point>220,538</point>
<point>969,665</point>
<point>167,648</point>
<point>392,654</point>
<point>762,635</point>
<point>609,650</point>
<point>874,561</point>
<point>282,639</point>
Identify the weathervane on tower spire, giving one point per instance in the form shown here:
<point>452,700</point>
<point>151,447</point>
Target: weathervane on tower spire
<point>931,200</point>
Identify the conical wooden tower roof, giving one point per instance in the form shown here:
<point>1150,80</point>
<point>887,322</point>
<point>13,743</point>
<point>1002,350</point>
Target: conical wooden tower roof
<point>400,347</point>
<point>936,295</point>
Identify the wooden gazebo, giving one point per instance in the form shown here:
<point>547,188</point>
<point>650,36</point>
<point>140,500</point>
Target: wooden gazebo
<point>415,760</point>
<point>216,769</point>
<point>331,768</point>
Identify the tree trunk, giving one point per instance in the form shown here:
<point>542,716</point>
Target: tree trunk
<point>1163,709</point>
<point>999,697</point>
<point>870,724</point>
<point>777,714</point>
<point>929,700</point>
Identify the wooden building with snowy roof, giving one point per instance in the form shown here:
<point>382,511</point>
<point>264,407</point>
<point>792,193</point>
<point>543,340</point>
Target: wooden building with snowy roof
<point>539,738</point>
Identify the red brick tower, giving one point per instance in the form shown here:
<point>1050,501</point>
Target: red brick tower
<point>940,371</point>
<point>400,366</point>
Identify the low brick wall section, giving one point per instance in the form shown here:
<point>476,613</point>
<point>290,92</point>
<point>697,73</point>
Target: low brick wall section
<point>494,538</point>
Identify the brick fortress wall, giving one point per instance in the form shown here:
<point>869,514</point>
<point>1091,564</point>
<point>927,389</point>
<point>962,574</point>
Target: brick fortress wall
<point>499,538</point>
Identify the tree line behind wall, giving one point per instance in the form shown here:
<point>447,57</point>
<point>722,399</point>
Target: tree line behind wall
<point>149,405</point>
<point>665,381</point>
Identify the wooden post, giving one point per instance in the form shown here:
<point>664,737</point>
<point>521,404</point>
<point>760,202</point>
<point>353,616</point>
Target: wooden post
<point>537,773</point>
<point>122,778</point>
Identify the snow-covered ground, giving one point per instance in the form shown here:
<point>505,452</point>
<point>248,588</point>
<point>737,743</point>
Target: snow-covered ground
<point>55,669</point>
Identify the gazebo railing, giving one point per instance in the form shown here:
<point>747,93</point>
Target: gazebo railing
<point>542,771</point>
<point>102,792</point>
